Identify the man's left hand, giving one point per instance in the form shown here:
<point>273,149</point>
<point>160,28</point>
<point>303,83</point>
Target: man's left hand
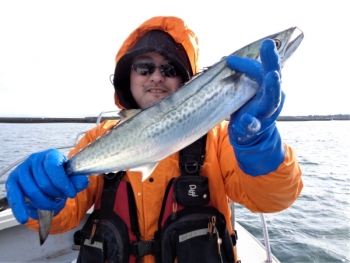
<point>252,128</point>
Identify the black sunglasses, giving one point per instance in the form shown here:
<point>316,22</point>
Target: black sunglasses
<point>148,68</point>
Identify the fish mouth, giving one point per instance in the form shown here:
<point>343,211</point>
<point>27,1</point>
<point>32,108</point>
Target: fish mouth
<point>292,44</point>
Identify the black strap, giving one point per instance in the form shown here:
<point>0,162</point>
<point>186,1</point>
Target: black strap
<point>143,248</point>
<point>234,237</point>
<point>110,186</point>
<point>192,157</point>
<point>134,224</point>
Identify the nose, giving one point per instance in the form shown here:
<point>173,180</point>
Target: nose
<point>157,76</point>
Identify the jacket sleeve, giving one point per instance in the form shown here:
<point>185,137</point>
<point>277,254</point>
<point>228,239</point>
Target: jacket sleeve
<point>266,193</point>
<point>76,208</point>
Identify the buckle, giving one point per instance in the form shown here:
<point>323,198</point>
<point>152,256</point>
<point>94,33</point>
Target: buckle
<point>191,163</point>
<point>142,248</point>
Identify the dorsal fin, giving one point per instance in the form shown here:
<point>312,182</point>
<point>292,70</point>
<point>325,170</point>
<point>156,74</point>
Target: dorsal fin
<point>127,114</point>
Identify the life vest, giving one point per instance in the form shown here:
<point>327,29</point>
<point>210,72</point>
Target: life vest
<point>190,228</point>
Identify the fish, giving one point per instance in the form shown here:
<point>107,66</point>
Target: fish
<point>142,138</point>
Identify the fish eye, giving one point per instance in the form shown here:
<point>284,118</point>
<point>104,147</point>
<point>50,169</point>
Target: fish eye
<point>278,43</point>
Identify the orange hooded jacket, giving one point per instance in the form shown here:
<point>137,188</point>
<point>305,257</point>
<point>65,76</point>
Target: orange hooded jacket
<point>268,193</point>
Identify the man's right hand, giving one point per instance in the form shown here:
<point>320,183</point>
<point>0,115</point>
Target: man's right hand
<point>41,178</point>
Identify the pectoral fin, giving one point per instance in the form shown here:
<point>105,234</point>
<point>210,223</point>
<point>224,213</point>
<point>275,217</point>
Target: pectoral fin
<point>146,170</point>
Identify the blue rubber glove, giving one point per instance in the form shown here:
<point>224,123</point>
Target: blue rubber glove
<point>41,178</point>
<point>252,129</point>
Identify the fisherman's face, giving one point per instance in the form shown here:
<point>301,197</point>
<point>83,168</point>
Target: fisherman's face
<point>151,88</point>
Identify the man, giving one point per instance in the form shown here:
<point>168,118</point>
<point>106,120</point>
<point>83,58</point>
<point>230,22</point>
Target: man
<point>249,166</point>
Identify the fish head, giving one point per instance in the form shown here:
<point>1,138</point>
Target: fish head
<point>286,41</point>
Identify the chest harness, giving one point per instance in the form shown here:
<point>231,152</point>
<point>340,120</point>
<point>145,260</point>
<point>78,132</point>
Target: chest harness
<point>190,228</point>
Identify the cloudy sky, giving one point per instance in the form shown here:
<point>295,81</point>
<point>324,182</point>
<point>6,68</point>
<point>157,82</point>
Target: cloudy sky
<point>56,57</point>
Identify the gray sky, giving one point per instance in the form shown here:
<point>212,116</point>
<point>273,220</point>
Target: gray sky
<point>56,56</point>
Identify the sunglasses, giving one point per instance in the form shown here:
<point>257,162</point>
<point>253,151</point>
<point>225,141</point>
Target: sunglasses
<point>148,68</point>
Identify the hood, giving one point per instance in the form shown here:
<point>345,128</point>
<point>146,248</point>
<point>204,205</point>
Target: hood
<point>180,45</point>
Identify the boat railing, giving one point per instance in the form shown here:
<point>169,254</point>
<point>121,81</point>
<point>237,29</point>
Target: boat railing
<point>98,121</point>
<point>264,229</point>
<point>266,239</point>
<point>65,147</point>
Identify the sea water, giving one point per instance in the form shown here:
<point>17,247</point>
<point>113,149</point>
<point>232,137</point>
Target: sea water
<point>316,228</point>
